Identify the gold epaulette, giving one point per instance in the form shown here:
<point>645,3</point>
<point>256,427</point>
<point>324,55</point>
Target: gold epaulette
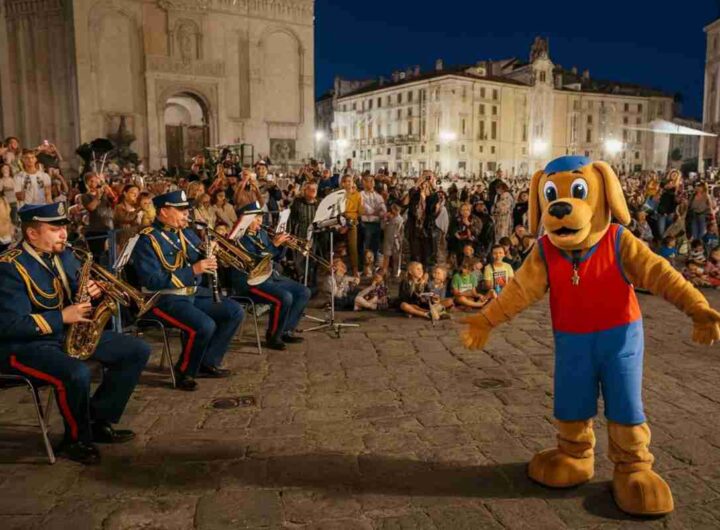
<point>147,230</point>
<point>9,255</point>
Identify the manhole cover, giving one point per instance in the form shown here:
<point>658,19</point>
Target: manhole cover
<point>491,383</point>
<point>233,402</point>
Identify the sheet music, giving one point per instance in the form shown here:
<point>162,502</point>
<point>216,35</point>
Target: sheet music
<point>124,257</point>
<point>240,227</point>
<point>331,206</point>
<point>283,221</point>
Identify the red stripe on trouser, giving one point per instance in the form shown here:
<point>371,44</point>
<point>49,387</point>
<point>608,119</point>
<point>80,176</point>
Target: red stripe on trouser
<point>190,331</point>
<point>59,387</point>
<point>278,306</point>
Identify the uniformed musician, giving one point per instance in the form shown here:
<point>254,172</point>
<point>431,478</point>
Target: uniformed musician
<point>38,283</point>
<point>286,297</point>
<point>167,256</point>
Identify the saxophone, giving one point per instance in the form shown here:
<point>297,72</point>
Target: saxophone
<point>82,338</point>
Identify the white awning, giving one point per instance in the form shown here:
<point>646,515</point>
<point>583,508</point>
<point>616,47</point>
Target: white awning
<point>668,127</point>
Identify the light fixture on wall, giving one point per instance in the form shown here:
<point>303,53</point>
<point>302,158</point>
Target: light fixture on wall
<point>539,147</point>
<point>447,136</point>
<point>613,146</point>
<point>319,136</point>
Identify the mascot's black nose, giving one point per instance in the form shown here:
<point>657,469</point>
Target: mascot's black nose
<point>560,209</point>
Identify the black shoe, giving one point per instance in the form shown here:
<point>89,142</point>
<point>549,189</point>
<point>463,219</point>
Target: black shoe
<point>275,344</point>
<point>214,372</point>
<point>290,338</point>
<point>85,453</point>
<point>185,382</point>
<point>103,433</point>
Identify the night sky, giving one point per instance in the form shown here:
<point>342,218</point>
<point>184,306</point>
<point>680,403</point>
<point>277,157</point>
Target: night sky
<point>620,40</point>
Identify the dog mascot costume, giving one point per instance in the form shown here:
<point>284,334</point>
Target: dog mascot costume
<point>590,266</point>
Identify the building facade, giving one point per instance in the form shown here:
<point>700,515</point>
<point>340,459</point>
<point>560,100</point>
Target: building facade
<point>180,74</point>
<point>496,114</point>
<point>711,102</point>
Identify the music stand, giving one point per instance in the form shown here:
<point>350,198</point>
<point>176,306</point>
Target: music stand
<point>328,217</point>
<point>329,323</point>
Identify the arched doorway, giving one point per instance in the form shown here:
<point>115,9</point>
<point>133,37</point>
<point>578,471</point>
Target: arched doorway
<point>186,129</point>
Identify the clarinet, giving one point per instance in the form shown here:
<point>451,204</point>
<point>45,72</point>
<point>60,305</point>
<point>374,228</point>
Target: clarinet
<point>214,284</point>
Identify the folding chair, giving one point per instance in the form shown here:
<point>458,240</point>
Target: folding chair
<point>17,381</point>
<point>149,322</point>
<point>246,302</point>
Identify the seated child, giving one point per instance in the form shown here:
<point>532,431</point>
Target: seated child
<point>343,289</point>
<point>667,249</point>
<point>464,287</point>
<point>695,274</point>
<point>413,297</point>
<point>510,257</point>
<point>712,267</point>
<point>710,239</point>
<point>697,252</point>
<point>498,272</point>
<point>375,296</point>
<point>438,287</point>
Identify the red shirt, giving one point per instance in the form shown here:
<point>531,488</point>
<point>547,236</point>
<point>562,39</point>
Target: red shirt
<point>603,298</point>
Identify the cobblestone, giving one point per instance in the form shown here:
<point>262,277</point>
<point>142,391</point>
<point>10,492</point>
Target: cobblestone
<point>392,426</point>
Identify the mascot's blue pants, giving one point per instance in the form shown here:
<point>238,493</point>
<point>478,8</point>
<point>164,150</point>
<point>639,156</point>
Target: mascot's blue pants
<point>611,361</point>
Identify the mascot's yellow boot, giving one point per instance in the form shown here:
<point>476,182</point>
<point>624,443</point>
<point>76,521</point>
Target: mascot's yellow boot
<point>572,463</point>
<point>637,489</point>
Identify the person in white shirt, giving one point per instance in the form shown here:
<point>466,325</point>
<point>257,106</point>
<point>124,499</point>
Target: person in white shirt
<point>32,186</point>
<point>374,210</point>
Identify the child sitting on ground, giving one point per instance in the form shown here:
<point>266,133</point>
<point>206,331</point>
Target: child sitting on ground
<point>697,252</point>
<point>498,272</point>
<point>375,296</point>
<point>413,298</point>
<point>343,289</point>
<point>464,287</point>
<point>667,249</point>
<point>695,274</point>
<point>438,287</point>
<point>710,239</point>
<point>712,267</point>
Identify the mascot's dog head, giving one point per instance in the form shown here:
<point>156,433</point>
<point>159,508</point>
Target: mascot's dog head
<point>575,199</point>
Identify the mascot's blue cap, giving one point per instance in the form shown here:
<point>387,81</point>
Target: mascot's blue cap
<point>567,163</point>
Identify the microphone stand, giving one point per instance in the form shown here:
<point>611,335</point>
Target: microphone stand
<point>330,323</point>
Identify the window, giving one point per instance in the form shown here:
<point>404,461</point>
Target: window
<point>389,150</point>
<point>637,120</point>
<point>639,136</point>
<point>399,98</point>
<point>493,130</point>
<point>482,92</point>
<point>409,113</point>
<point>354,106</point>
<point>463,127</point>
<point>482,110</point>
<point>389,101</point>
<point>437,148</point>
<point>379,103</point>
<point>625,135</point>
<point>422,148</point>
<point>354,154</point>
<point>482,130</point>
<point>637,155</point>
<point>589,119</point>
<point>410,127</point>
<point>639,107</point>
<point>589,105</point>
<point>409,149</point>
<point>627,107</point>
<point>399,113</point>
<point>543,77</point>
<point>462,148</point>
<point>588,136</point>
<point>576,104</point>
<point>481,149</point>
<point>492,150</point>
<point>344,107</point>
<point>496,95</point>
<point>410,96</point>
<point>370,104</point>
<point>524,132</point>
<point>625,120</point>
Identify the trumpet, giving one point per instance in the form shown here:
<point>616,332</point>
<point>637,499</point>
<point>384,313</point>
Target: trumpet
<point>235,256</point>
<point>298,244</point>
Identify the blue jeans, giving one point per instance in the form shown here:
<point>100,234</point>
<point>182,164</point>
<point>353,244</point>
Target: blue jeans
<point>697,225</point>
<point>663,220</point>
<point>371,239</point>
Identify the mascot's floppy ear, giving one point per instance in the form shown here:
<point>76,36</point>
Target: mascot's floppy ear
<point>534,213</point>
<point>613,193</point>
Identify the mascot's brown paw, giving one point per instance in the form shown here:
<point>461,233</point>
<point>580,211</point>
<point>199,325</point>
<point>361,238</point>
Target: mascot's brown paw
<point>642,493</point>
<point>477,333</point>
<point>556,469</point>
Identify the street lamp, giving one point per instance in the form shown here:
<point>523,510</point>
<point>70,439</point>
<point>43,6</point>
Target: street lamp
<point>319,136</point>
<point>539,147</point>
<point>613,146</point>
<point>447,137</point>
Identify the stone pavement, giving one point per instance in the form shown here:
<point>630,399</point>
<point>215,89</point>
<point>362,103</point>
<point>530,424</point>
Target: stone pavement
<point>392,426</point>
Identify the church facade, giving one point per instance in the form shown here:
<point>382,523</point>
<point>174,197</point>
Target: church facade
<point>178,74</point>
